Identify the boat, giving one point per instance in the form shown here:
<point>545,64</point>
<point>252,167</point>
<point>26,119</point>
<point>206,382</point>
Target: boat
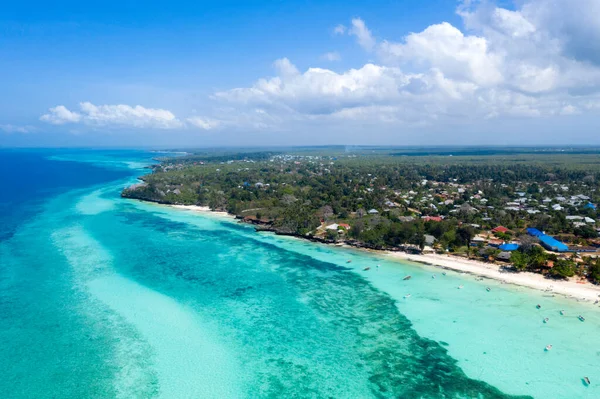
<point>407,278</point>
<point>433,276</point>
<point>367,268</point>
<point>444,273</point>
<point>548,347</point>
<point>460,287</point>
<point>546,320</point>
<point>587,380</point>
<point>349,261</point>
<point>562,312</point>
<point>406,296</point>
<point>538,306</point>
<point>580,317</point>
<point>488,289</point>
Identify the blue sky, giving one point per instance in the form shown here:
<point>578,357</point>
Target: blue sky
<point>298,72</point>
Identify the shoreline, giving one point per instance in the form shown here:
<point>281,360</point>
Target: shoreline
<point>570,289</point>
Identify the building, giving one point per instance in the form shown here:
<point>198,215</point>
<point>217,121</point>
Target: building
<point>429,240</point>
<point>504,256</point>
<point>500,229</point>
<point>508,247</point>
<point>552,244</point>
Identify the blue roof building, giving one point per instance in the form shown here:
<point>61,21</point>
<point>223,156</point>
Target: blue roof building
<point>508,247</point>
<point>590,206</point>
<point>552,244</point>
<point>534,232</point>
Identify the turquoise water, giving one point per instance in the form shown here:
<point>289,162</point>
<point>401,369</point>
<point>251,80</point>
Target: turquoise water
<point>107,298</point>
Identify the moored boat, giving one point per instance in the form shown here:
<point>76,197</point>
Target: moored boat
<point>488,289</point>
<point>407,296</point>
<point>407,278</point>
<point>546,320</point>
<point>367,268</point>
<point>587,380</point>
<point>580,317</point>
<point>548,347</point>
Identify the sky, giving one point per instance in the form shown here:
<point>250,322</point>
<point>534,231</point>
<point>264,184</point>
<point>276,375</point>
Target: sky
<point>228,73</point>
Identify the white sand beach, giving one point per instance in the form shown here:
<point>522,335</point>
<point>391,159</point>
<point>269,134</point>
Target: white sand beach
<point>204,209</point>
<point>573,288</point>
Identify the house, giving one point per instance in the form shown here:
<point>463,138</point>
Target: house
<point>589,205</point>
<point>500,229</point>
<point>588,220</point>
<point>344,226</point>
<point>570,217</point>
<point>432,218</point>
<point>495,243</point>
<point>333,226</point>
<point>508,247</point>
<point>372,211</point>
<point>557,207</point>
<point>429,239</point>
<point>504,256</point>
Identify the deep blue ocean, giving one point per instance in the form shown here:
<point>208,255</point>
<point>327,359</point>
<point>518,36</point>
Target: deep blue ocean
<point>102,297</point>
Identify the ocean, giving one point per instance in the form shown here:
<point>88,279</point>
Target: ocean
<point>102,297</point>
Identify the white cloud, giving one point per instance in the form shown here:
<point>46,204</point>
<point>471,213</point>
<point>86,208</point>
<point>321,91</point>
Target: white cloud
<point>539,60</point>
<point>60,115</point>
<point>113,115</point>
<point>339,30</point>
<point>331,56</point>
<point>204,123</point>
<point>8,128</point>
<point>363,34</point>
<point>445,47</point>
<point>503,64</point>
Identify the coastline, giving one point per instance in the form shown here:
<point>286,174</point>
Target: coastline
<point>568,288</point>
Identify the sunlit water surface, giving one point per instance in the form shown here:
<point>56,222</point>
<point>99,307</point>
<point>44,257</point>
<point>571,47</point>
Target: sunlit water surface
<point>102,297</point>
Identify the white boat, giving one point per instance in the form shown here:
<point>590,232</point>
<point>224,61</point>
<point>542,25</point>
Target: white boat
<point>546,320</point>
<point>488,289</point>
<point>548,347</point>
<point>562,312</point>
<point>460,287</point>
<point>580,317</point>
<point>407,296</point>
<point>587,380</point>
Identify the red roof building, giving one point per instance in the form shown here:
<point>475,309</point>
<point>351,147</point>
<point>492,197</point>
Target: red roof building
<point>500,229</point>
<point>432,218</point>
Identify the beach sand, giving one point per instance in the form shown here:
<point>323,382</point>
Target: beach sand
<point>572,288</point>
